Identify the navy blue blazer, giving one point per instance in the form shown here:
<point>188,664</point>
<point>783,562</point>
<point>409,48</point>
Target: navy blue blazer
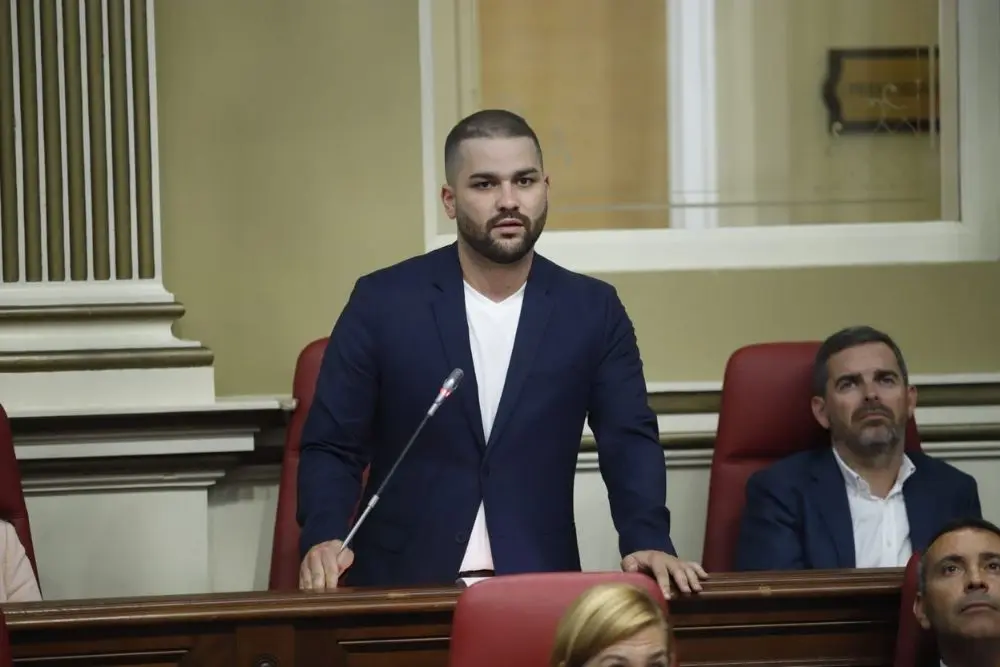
<point>575,358</point>
<point>797,515</point>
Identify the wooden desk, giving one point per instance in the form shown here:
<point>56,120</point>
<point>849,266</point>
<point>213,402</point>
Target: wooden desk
<point>844,619</point>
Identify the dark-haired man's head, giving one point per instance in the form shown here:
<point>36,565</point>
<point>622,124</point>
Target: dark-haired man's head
<point>959,589</point>
<point>496,189</point>
<point>861,391</point>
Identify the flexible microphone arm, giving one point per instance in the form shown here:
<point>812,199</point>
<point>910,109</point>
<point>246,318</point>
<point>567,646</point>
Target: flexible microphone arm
<point>447,389</point>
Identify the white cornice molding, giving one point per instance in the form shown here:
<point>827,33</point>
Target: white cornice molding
<point>587,462</point>
<point>287,403</point>
<point>78,392</point>
<point>168,439</point>
<point>673,459</point>
<point>918,380</point>
<point>253,403</point>
<point>134,443</point>
<point>89,483</point>
<point>87,293</point>
<point>708,423</point>
<point>267,473</point>
<point>956,451</point>
<point>701,458</point>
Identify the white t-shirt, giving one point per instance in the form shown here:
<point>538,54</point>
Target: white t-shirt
<point>492,329</point>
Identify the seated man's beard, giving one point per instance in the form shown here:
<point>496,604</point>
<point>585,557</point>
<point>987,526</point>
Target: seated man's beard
<point>875,440</point>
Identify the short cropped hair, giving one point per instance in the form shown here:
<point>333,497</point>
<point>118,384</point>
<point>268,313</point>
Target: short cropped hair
<point>970,523</point>
<point>485,124</point>
<point>603,616</point>
<point>844,340</point>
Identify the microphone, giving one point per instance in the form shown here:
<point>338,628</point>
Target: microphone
<point>448,387</point>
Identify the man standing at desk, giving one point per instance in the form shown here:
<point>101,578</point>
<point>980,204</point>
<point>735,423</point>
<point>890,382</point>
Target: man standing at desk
<point>488,485</point>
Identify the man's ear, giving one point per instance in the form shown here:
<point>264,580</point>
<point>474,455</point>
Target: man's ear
<point>448,199</point>
<point>911,395</point>
<point>819,411</point>
<point>920,612</point>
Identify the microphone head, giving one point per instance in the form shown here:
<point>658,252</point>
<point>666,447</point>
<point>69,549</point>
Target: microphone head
<point>453,380</point>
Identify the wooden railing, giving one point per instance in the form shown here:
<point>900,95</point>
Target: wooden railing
<point>807,618</point>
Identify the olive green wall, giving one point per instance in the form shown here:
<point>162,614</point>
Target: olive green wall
<point>290,164</point>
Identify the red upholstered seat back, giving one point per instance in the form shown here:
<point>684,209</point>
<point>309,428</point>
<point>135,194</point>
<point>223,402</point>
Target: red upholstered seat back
<point>512,620</point>
<point>915,647</point>
<point>285,547</point>
<point>764,416</point>
<point>12,506</point>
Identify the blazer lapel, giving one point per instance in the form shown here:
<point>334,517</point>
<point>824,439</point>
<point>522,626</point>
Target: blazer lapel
<point>921,507</point>
<point>453,327</point>
<point>535,311</point>
<point>830,496</point>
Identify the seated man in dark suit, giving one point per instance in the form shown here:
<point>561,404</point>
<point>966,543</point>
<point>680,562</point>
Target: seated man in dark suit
<point>862,502</point>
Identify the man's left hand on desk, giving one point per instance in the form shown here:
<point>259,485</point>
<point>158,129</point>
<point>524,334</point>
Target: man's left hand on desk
<point>664,567</point>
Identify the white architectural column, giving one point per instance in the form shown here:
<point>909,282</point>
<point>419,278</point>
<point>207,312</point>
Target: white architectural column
<point>84,314</point>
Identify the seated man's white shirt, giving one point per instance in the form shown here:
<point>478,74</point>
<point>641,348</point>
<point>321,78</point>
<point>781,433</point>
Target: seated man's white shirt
<point>881,525</point>
<point>492,329</point>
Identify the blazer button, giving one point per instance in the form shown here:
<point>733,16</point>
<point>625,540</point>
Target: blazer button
<point>461,538</point>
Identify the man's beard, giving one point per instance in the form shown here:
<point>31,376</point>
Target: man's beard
<point>871,440</point>
<point>483,242</point>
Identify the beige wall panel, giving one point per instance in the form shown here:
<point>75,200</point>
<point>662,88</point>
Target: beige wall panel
<point>944,317</point>
<point>290,165</point>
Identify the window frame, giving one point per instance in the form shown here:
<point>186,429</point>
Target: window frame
<point>449,79</point>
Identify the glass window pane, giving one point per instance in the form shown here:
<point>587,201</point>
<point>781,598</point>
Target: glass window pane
<point>590,76</point>
<point>692,113</point>
<point>828,111</point>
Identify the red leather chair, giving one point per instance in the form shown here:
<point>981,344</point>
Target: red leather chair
<point>285,547</point>
<point>5,658</point>
<point>915,647</point>
<point>764,416</point>
<point>512,620</point>
<point>12,506</point>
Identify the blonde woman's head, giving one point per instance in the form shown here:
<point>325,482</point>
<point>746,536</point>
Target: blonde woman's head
<point>612,625</point>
